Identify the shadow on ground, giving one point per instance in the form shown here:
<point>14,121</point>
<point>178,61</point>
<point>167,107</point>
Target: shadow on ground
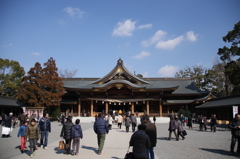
<point>57,151</point>
<point>90,148</point>
<point>219,151</point>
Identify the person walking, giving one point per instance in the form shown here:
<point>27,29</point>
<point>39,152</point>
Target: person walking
<point>110,122</point>
<point>22,118</point>
<point>154,119</point>
<point>76,136</point>
<point>127,123</point>
<point>119,121</point>
<point>179,128</point>
<point>205,123</point>
<point>33,134</point>
<point>45,128</point>
<point>66,133</point>
<point>151,131</point>
<point>22,132</point>
<point>140,142</point>
<point>8,123</point>
<point>172,128</point>
<point>213,123</point>
<point>235,130</point>
<point>200,120</point>
<point>100,127</point>
<point>189,122</point>
<point>134,122</point>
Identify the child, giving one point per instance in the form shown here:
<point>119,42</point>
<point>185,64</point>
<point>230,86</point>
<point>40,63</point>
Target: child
<point>22,132</point>
<point>33,135</point>
<point>76,135</point>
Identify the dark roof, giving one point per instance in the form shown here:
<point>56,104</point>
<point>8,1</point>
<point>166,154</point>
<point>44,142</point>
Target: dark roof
<point>220,102</point>
<point>120,76</point>
<point>8,101</point>
<point>180,85</point>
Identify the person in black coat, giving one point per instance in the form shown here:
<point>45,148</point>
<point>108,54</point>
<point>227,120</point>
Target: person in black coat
<point>189,122</point>
<point>151,131</point>
<point>66,133</point>
<point>140,142</point>
<point>235,130</point>
<point>213,123</point>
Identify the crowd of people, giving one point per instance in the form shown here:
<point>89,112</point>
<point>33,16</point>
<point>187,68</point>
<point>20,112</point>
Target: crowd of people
<point>143,140</point>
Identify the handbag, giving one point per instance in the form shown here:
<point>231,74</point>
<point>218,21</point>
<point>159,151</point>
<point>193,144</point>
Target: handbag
<point>129,155</point>
<point>184,132</point>
<point>61,145</point>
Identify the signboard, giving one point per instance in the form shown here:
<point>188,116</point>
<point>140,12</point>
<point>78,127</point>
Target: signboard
<point>235,110</point>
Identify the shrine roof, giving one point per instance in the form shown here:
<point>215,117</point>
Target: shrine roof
<point>223,101</point>
<point>182,86</point>
<point>120,77</point>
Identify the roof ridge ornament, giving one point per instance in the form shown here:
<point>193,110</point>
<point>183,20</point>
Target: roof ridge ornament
<point>120,70</point>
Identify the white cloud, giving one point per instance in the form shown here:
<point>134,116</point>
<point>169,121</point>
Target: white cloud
<point>159,35</point>
<point>124,28</point>
<point>61,21</point>
<point>146,26</point>
<point>36,53</point>
<point>8,45</point>
<point>190,36</point>
<point>163,42</point>
<point>167,71</point>
<point>142,55</point>
<point>170,44</point>
<point>74,12</point>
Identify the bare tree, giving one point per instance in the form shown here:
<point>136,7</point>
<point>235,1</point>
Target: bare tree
<point>65,73</point>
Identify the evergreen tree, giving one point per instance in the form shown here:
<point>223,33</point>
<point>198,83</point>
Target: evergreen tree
<point>11,74</point>
<point>231,55</point>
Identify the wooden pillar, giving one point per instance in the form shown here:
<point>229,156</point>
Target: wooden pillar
<point>91,109</point>
<point>106,107</point>
<point>147,108</point>
<point>160,107</point>
<point>79,107</point>
<point>132,110</point>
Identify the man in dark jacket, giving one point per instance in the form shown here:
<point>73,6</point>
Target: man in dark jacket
<point>76,136</point>
<point>235,129</point>
<point>140,142</point>
<point>101,129</point>
<point>151,131</point>
<point>66,133</point>
<point>45,129</point>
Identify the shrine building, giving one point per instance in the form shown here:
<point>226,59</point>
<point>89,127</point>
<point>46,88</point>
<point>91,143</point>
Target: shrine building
<point>122,90</point>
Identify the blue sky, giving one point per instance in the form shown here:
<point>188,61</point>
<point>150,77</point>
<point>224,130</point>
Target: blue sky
<point>153,38</point>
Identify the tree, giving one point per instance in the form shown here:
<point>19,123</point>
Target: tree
<point>230,55</point>
<point>197,73</point>
<point>10,77</point>
<point>140,75</point>
<point>42,87</point>
<point>31,90</point>
<point>67,73</point>
<point>218,80</point>
<point>52,84</point>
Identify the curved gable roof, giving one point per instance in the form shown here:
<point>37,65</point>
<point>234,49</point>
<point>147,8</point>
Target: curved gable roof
<point>120,72</point>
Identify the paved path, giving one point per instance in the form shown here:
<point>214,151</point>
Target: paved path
<point>198,144</point>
